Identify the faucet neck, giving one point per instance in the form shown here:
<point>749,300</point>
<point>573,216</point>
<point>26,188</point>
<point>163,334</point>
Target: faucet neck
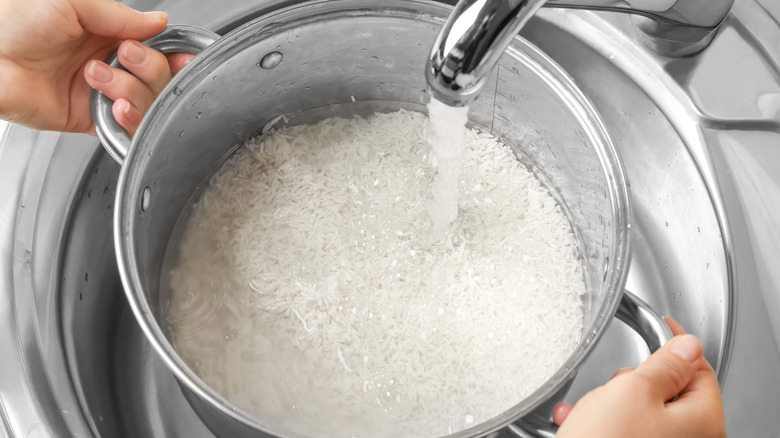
<point>469,45</point>
<point>478,31</point>
<point>683,13</point>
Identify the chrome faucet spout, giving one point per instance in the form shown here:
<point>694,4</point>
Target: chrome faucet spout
<point>478,31</point>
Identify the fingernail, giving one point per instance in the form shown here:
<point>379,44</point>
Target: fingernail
<point>123,106</point>
<point>100,72</point>
<point>159,15</point>
<point>687,347</point>
<point>134,52</point>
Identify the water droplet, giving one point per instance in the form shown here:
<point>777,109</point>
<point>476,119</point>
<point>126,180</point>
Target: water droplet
<point>146,199</point>
<point>177,91</point>
<point>36,430</point>
<point>271,60</point>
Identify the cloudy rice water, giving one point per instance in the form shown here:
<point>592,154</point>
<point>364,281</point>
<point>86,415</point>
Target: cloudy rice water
<point>309,289</point>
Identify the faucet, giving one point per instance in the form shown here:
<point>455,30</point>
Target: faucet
<point>478,31</point>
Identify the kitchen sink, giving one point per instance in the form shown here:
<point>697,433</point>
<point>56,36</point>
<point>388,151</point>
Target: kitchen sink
<point>76,364</point>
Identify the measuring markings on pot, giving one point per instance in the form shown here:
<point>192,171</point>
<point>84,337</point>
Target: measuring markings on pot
<point>309,290</point>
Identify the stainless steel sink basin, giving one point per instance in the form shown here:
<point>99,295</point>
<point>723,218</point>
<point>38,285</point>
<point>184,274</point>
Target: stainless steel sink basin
<point>77,364</point>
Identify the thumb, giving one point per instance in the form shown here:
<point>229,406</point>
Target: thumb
<point>111,19</point>
<point>671,368</point>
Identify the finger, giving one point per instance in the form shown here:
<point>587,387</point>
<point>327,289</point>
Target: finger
<point>676,328</point>
<point>147,64</point>
<point>669,370</point>
<point>126,115</point>
<point>112,19</point>
<point>700,399</point>
<point>621,371</point>
<point>560,412</point>
<point>704,382</point>
<point>116,84</point>
<point>177,61</point>
<point>703,386</point>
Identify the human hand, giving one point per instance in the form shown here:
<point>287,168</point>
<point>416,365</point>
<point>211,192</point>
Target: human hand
<point>134,92</point>
<point>635,402</point>
<point>45,46</point>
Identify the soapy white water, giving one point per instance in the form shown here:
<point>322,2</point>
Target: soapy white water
<point>309,290</point>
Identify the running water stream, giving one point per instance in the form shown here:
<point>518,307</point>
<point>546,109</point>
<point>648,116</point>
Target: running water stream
<point>448,125</point>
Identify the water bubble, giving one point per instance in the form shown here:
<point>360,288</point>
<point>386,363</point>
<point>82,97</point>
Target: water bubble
<point>146,199</point>
<point>177,91</point>
<point>424,172</point>
<point>36,430</point>
<point>271,60</point>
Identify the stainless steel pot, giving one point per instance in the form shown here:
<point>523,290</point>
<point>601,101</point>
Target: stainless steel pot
<point>341,57</point>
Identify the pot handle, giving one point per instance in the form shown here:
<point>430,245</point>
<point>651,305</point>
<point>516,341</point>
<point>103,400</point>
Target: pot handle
<point>635,313</point>
<point>175,38</point>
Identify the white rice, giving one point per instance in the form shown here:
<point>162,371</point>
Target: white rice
<point>309,291</point>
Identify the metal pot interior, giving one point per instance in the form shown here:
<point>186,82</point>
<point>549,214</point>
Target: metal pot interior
<point>343,58</point>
